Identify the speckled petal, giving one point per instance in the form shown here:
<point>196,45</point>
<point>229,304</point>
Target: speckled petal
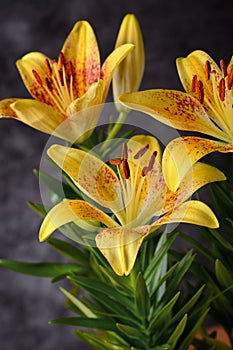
<point>69,211</point>
<point>198,176</point>
<point>193,64</point>
<point>191,212</point>
<point>174,108</point>
<point>5,108</point>
<point>120,246</point>
<point>112,62</point>
<point>181,153</point>
<point>35,61</point>
<point>90,174</point>
<point>81,49</point>
<point>38,115</point>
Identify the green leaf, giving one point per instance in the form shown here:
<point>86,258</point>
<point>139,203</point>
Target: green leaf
<point>188,306</point>
<point>38,208</point>
<point>177,332</point>
<point>41,269</point>
<point>85,311</point>
<point>142,299</point>
<point>128,330</point>
<point>68,250</point>
<point>94,323</point>
<point>224,277</point>
<point>164,315</point>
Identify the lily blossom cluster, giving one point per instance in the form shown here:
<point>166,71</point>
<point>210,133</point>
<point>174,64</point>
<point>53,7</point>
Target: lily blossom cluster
<point>143,189</point>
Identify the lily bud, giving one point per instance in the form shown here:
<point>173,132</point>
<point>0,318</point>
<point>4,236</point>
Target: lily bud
<point>129,73</point>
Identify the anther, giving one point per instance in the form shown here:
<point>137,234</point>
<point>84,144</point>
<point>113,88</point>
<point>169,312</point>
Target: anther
<point>207,70</point>
<point>194,83</point>
<point>230,79</point>
<point>37,77</point>
<point>49,85</point>
<point>48,67</point>
<point>222,89</point>
<point>148,168</point>
<point>115,161</point>
<point>124,151</point>
<point>125,167</point>
<point>200,91</point>
<point>61,77</point>
<point>142,151</point>
<point>223,67</point>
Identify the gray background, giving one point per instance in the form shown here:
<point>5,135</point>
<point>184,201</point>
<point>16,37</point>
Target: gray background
<point>171,29</point>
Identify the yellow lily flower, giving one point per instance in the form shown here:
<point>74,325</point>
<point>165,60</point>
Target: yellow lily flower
<point>136,194</point>
<point>206,107</point>
<point>61,88</point>
<point>129,73</point>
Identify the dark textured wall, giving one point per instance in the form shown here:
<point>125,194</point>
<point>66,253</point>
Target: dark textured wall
<point>171,29</point>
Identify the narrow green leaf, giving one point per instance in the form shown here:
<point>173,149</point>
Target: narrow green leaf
<point>128,330</point>
<point>38,208</point>
<point>177,332</point>
<point>40,269</point>
<point>188,306</point>
<point>85,311</point>
<point>68,250</point>
<point>164,315</point>
<point>94,323</point>
<point>224,277</point>
<point>142,299</point>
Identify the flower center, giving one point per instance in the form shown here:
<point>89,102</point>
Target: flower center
<point>218,94</point>
<point>58,82</point>
<point>133,183</point>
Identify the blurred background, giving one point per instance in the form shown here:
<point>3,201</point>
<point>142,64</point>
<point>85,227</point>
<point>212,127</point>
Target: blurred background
<point>171,29</point>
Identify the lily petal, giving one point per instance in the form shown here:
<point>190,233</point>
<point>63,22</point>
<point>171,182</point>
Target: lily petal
<point>199,175</point>
<point>5,108</point>
<point>120,246</point>
<point>90,174</point>
<point>31,62</point>
<point>38,115</point>
<point>81,49</point>
<point>191,212</point>
<point>83,118</point>
<point>194,64</point>
<point>112,62</point>
<point>174,108</point>
<point>68,211</point>
<point>181,153</point>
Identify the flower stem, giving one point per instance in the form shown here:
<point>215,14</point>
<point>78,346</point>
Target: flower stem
<point>116,128</point>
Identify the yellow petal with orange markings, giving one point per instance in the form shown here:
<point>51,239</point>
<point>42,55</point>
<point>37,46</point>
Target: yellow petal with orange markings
<point>68,211</point>
<point>181,153</point>
<point>83,118</point>
<point>5,108</point>
<point>112,62</point>
<point>198,176</point>
<point>81,49</point>
<point>38,115</point>
<point>174,108</point>
<point>191,212</point>
<point>35,61</point>
<point>194,64</point>
<point>90,174</point>
<point>120,246</point>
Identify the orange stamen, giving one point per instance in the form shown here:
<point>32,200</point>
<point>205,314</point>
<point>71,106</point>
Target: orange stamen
<point>124,151</point>
<point>207,70</point>
<point>200,91</point>
<point>222,89</point>
<point>48,68</point>
<point>37,77</point>
<point>61,61</point>
<point>125,167</point>
<point>194,83</point>
<point>49,85</point>
<point>115,161</point>
<point>142,151</point>
<point>223,67</point>
<point>230,79</point>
